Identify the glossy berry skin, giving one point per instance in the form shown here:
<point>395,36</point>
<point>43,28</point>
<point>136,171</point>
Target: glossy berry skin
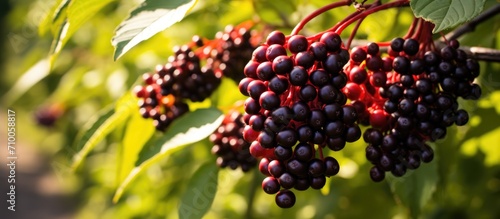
<point>270,185</point>
<point>297,43</point>
<point>397,44</point>
<point>358,75</point>
<point>358,55</point>
<point>411,47</point>
<point>275,37</point>
<point>376,174</point>
<point>332,166</point>
<point>331,40</point>
<point>285,199</point>
<point>282,65</point>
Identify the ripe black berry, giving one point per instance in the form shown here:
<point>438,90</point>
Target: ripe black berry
<point>285,199</point>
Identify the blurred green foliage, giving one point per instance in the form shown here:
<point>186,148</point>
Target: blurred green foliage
<point>84,79</point>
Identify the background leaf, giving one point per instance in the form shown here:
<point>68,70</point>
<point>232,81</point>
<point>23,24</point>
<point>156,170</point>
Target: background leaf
<point>132,143</point>
<point>201,190</point>
<point>78,12</point>
<point>107,121</point>
<point>49,21</point>
<point>148,19</point>
<point>189,128</point>
<point>446,13</point>
<point>415,189</point>
<point>36,73</point>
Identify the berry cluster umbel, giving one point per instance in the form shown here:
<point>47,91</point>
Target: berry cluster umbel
<point>193,73</point>
<point>409,98</point>
<point>162,97</point>
<point>295,109</point>
<point>229,146</point>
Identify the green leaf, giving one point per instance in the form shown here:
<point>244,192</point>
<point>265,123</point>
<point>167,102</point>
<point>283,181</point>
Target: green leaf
<point>484,131</point>
<point>108,119</point>
<point>35,74</point>
<point>189,128</point>
<point>446,13</point>
<point>60,10</point>
<point>132,143</point>
<point>146,20</point>
<point>78,12</point>
<point>415,188</point>
<point>52,16</point>
<point>200,193</point>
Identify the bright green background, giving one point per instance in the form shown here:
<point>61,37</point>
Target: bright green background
<point>463,180</point>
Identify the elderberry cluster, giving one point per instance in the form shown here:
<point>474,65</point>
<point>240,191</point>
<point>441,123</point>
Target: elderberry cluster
<point>162,98</point>
<point>410,98</point>
<point>192,73</point>
<point>229,146</point>
<point>295,109</point>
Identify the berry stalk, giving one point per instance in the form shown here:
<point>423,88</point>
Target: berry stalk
<point>344,23</point>
<point>318,12</point>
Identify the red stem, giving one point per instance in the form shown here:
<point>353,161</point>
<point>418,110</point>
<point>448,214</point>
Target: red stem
<point>363,14</point>
<point>353,33</point>
<point>418,30</point>
<point>320,149</point>
<point>322,10</point>
<point>316,36</point>
<point>412,28</point>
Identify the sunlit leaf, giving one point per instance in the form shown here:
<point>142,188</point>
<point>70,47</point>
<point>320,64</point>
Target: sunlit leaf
<point>60,10</point>
<point>146,20</point>
<point>36,73</point>
<point>489,145</point>
<point>108,119</point>
<point>78,12</point>
<point>189,128</point>
<point>52,16</point>
<point>415,188</point>
<point>132,143</point>
<point>484,135</point>
<point>446,13</point>
<point>200,193</point>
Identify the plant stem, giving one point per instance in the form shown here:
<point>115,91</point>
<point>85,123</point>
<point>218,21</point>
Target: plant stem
<point>353,33</point>
<point>471,25</point>
<point>412,28</point>
<point>363,14</point>
<point>311,16</point>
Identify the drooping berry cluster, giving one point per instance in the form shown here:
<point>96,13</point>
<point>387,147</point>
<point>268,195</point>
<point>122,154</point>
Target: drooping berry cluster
<point>192,73</point>
<point>162,98</point>
<point>408,98</point>
<point>231,150</point>
<point>295,109</point>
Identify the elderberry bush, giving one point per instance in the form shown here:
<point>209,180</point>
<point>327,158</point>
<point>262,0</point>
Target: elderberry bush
<point>295,109</point>
<point>409,98</point>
